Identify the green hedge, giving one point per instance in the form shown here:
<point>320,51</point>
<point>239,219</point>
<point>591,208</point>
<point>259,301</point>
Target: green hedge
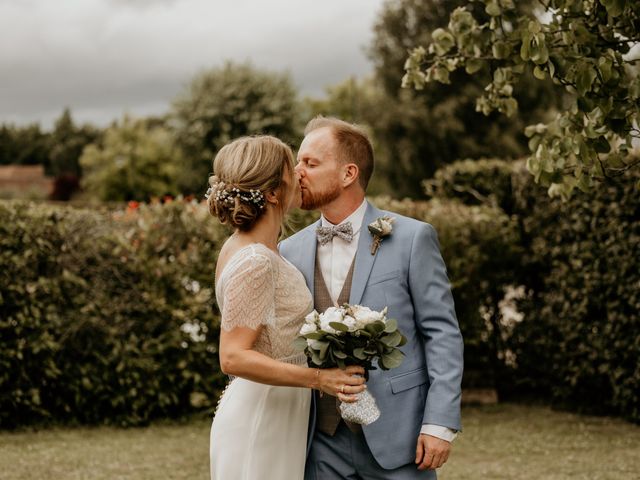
<point>109,317</point>
<point>579,341</point>
<point>106,317</point>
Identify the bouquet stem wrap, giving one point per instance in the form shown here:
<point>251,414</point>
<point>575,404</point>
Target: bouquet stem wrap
<point>363,412</point>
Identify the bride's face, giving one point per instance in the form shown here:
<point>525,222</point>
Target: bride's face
<point>291,188</point>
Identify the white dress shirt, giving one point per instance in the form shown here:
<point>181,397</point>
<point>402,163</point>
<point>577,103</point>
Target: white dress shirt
<point>335,258</point>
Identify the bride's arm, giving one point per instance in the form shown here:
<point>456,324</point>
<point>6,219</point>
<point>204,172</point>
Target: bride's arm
<point>238,358</point>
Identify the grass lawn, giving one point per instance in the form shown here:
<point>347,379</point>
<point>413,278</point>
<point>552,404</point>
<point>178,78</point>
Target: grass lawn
<point>499,442</point>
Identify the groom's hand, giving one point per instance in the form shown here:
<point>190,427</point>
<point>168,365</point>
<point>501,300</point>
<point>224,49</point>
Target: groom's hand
<point>431,452</point>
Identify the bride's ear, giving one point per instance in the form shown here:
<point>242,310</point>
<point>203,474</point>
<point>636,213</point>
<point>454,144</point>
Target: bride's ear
<point>271,197</point>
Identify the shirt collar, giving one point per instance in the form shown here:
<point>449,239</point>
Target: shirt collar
<point>356,218</point>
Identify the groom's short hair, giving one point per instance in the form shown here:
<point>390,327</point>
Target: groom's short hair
<point>353,143</point>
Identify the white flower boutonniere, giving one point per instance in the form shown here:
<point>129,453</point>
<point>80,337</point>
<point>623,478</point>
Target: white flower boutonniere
<point>380,228</point>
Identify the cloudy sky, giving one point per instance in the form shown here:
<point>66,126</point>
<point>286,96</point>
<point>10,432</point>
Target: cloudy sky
<point>102,58</point>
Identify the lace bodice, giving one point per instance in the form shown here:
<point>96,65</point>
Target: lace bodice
<point>258,288</point>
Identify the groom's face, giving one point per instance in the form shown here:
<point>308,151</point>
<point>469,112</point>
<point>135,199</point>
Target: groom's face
<point>319,169</point>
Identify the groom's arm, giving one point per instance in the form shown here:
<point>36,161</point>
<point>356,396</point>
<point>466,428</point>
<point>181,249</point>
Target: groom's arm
<point>436,320</point>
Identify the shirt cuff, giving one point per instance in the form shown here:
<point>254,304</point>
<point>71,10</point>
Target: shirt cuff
<point>439,431</point>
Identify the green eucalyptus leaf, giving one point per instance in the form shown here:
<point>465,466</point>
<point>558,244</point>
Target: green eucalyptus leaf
<point>391,360</point>
<point>341,327</point>
<point>391,326</point>
<point>300,343</point>
<point>359,354</point>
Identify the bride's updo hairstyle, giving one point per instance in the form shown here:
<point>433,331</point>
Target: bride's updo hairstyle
<point>243,172</point>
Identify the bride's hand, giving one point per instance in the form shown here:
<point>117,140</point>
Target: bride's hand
<point>344,384</point>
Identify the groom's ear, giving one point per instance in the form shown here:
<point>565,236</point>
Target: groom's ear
<point>350,174</point>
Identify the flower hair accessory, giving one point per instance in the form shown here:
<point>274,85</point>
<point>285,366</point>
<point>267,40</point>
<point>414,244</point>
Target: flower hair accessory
<point>380,228</point>
<point>222,195</point>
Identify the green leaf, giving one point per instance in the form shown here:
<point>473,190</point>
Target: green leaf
<point>539,73</point>
<point>314,335</point>
<point>586,74</point>
<point>315,358</point>
<point>602,145</point>
<point>359,353</point>
<point>375,327</point>
<point>493,8</point>
<point>341,327</point>
<point>392,340</point>
<point>473,65</point>
<point>391,360</point>
<point>300,343</point>
<point>614,7</point>
<point>501,50</point>
<point>392,325</point>
<point>534,27</point>
<point>443,41</point>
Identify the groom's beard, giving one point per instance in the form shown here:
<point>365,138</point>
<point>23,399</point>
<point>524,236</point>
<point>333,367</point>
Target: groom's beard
<point>315,201</point>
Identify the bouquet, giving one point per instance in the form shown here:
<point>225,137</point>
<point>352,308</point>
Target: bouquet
<point>353,335</point>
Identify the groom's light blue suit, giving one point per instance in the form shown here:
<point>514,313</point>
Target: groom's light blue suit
<point>407,275</point>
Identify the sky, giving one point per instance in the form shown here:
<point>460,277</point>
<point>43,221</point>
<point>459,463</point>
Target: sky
<point>104,58</point>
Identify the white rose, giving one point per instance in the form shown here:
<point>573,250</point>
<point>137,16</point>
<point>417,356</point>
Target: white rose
<point>332,314</point>
<point>385,226</point>
<point>365,315</point>
<point>312,317</point>
<point>350,323</point>
<point>308,327</point>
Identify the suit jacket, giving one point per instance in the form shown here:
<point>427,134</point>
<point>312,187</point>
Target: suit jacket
<point>407,275</point>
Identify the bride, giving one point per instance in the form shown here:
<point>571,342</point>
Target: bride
<point>260,427</point>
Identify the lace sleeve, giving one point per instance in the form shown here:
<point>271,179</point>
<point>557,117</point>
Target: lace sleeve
<point>249,294</point>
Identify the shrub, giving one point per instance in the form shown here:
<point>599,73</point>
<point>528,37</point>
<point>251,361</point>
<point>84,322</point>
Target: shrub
<point>475,182</point>
<point>581,339</point>
<point>106,318</point>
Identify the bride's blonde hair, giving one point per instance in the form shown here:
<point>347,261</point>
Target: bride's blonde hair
<point>243,172</point>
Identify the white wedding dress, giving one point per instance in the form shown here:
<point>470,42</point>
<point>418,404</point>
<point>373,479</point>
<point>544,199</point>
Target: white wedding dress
<point>260,431</point>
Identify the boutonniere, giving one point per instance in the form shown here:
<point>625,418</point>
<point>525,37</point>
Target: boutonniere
<point>380,228</point>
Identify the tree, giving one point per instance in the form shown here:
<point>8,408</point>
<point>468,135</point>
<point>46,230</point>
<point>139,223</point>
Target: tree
<point>225,103</point>
<point>27,145</point>
<point>421,131</point>
<point>67,143</point>
<point>134,162</point>
<point>584,46</point>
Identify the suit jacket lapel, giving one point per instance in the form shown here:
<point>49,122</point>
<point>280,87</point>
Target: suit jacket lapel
<point>364,259</point>
<point>307,263</point>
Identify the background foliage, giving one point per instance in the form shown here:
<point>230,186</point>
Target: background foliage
<point>584,47</point>
<point>224,103</point>
<point>106,317</point>
<point>110,317</point>
<point>576,338</point>
<point>135,161</point>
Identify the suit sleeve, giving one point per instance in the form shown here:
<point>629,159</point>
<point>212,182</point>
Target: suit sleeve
<point>436,321</point>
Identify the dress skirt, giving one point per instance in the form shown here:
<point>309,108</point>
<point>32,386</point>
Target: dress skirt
<point>260,432</point>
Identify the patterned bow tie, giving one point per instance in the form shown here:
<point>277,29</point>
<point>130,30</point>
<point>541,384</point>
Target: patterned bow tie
<point>326,234</point>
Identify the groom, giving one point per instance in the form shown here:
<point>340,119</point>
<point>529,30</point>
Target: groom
<point>420,400</point>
